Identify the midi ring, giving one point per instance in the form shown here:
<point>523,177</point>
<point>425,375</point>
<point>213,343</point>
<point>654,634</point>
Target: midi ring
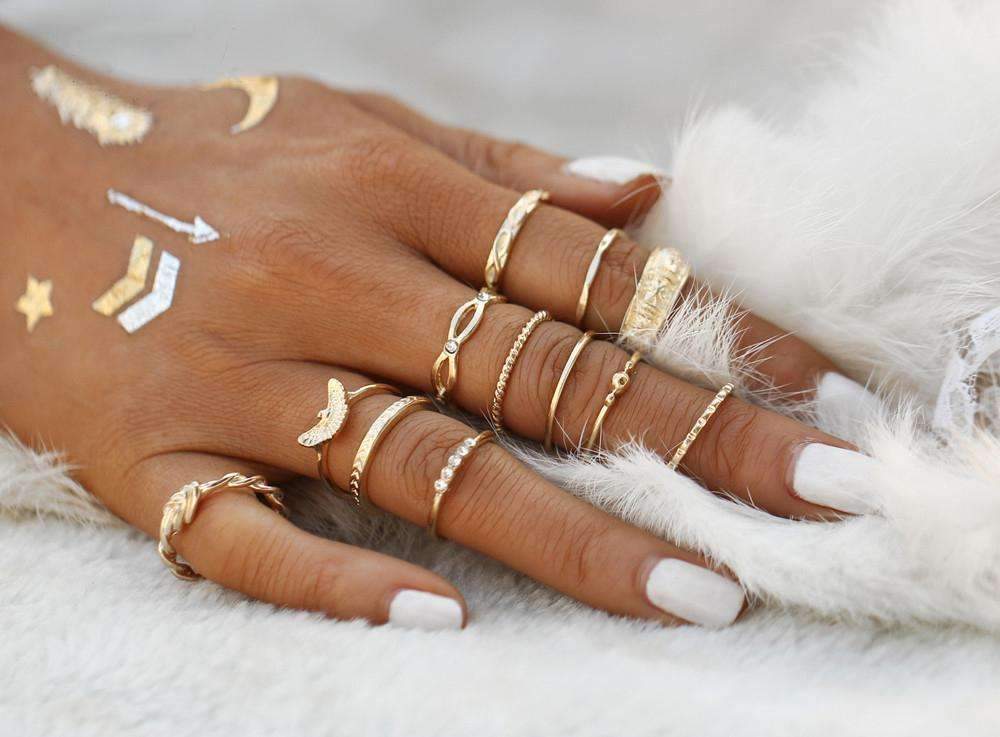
<point>374,437</point>
<point>496,262</point>
<point>620,382</point>
<point>332,419</point>
<point>496,406</point>
<point>595,263</point>
<point>574,355</point>
<point>181,507</point>
<point>448,473</point>
<point>444,374</point>
<point>664,276</point>
<point>698,426</point>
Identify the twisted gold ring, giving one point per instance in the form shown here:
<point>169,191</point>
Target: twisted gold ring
<point>181,507</point>
<point>444,374</point>
<point>496,407</point>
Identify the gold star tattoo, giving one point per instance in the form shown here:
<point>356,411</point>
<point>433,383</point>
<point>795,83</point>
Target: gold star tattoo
<point>36,302</point>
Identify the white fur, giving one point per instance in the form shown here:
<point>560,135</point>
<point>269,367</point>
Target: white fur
<point>869,225</point>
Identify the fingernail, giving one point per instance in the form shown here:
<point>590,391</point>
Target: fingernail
<point>424,611</point>
<point>847,396</point>
<point>694,593</point>
<point>611,169</point>
<point>834,477</point>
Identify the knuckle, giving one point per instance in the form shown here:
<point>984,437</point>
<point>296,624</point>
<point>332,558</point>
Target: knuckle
<point>492,157</point>
<point>324,584</point>
<point>577,545</point>
<point>622,266</point>
<point>730,439</point>
<point>541,367</point>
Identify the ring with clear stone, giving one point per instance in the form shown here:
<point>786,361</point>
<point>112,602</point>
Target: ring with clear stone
<point>450,471</point>
<point>444,374</point>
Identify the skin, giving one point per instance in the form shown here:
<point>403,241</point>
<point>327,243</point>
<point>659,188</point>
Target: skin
<point>352,229</point>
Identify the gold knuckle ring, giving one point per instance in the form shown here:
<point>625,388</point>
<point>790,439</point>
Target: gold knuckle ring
<point>698,426</point>
<point>664,276</point>
<point>444,374</point>
<point>496,407</point>
<point>574,355</point>
<point>496,262</point>
<point>182,506</point>
<point>620,382</point>
<point>448,474</point>
<point>595,263</point>
<point>333,417</point>
<point>373,439</point>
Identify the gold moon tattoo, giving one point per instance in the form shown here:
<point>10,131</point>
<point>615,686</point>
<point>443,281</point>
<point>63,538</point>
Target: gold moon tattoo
<point>110,119</point>
<point>131,285</point>
<point>263,94</point>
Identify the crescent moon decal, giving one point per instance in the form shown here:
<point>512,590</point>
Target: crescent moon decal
<point>263,93</point>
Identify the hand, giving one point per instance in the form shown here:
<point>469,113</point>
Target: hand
<point>349,240</point>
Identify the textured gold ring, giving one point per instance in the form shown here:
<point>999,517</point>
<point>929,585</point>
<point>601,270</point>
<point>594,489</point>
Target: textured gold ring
<point>449,472</point>
<point>374,437</point>
<point>333,417</point>
<point>496,262</point>
<point>563,378</point>
<point>181,507</point>
<point>595,263</point>
<point>620,381</point>
<point>444,374</point>
<point>496,407</point>
<point>664,276</point>
<point>698,426</point>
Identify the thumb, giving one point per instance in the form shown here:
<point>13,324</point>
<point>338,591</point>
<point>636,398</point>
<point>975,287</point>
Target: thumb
<point>610,190</point>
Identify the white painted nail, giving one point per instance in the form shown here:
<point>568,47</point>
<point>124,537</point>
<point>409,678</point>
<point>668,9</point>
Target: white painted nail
<point>846,397</point>
<point>694,593</point>
<point>611,169</point>
<point>835,477</point>
<point>424,611</point>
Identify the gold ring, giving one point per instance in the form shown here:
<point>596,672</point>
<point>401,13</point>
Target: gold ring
<point>332,418</point>
<point>563,378</point>
<point>374,437</point>
<point>595,263</point>
<point>496,407</point>
<point>448,473</point>
<point>661,283</point>
<point>444,374</point>
<point>181,507</point>
<point>620,381</point>
<point>504,241</point>
<point>698,426</point>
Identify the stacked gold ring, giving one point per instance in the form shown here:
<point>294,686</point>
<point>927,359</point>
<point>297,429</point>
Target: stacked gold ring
<point>620,382</point>
<point>574,355</point>
<point>496,406</point>
<point>448,474</point>
<point>664,276</point>
<point>444,373</point>
<point>698,426</point>
<point>496,262</point>
<point>595,263</point>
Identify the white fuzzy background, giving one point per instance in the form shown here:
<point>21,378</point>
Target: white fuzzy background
<point>862,214</point>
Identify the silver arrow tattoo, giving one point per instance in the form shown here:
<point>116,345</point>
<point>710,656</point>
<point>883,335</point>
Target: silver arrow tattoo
<point>197,232</point>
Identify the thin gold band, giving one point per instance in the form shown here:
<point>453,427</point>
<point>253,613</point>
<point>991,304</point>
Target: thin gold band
<point>595,263</point>
<point>450,471</point>
<point>620,381</point>
<point>496,262</point>
<point>444,374</point>
<point>182,506</point>
<point>352,397</point>
<point>374,437</point>
<point>496,407</point>
<point>563,378</point>
<point>662,280</point>
<point>698,426</point>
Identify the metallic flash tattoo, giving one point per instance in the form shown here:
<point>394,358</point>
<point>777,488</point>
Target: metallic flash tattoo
<point>197,231</point>
<point>131,285</point>
<point>36,302</point>
<point>156,302</point>
<point>263,93</point>
<point>110,119</point>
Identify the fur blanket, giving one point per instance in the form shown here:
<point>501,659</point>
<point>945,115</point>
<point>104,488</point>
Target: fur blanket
<point>869,223</point>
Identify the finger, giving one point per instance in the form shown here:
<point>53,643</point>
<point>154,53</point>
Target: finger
<point>551,257</point>
<point>609,190</point>
<point>494,504</point>
<point>765,458</point>
<point>242,544</point>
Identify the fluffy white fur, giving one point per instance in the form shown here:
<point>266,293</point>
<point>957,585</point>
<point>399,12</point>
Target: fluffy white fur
<point>868,224</point>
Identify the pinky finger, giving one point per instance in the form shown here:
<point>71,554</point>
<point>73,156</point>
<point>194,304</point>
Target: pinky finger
<point>242,544</point>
